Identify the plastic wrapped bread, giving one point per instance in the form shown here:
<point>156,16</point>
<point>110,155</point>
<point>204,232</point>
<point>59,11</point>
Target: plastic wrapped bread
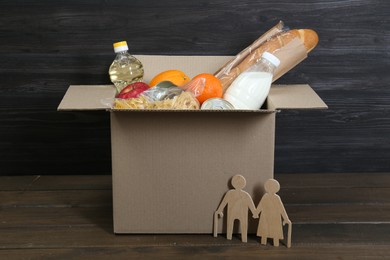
<point>291,47</point>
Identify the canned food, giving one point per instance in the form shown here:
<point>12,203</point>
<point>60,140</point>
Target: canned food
<point>217,104</point>
<point>165,84</point>
<point>165,90</point>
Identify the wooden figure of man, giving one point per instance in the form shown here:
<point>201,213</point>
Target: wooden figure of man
<point>238,202</point>
<point>271,212</point>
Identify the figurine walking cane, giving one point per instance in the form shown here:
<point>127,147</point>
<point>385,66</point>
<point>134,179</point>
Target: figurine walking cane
<point>215,224</point>
<point>289,235</point>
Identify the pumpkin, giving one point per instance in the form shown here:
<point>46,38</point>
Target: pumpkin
<point>177,77</point>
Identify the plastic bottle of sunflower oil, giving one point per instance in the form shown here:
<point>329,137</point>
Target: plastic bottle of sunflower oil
<point>125,69</point>
<point>250,89</point>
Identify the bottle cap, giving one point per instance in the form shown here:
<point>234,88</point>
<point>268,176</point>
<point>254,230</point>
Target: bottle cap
<point>271,58</point>
<point>120,46</point>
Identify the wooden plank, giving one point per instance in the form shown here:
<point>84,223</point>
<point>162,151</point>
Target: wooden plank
<point>308,148</point>
<point>299,214</point>
<point>152,20</point>
<point>335,195</point>
<point>71,182</point>
<point>95,236</point>
<point>194,252</point>
<point>9,183</point>
<point>71,217</point>
<point>49,216</point>
<point>49,182</point>
<point>356,186</point>
<point>334,180</point>
<point>56,199</point>
<point>339,213</point>
<point>36,191</point>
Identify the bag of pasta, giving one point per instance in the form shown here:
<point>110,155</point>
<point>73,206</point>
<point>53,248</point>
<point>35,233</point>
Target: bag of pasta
<point>164,95</point>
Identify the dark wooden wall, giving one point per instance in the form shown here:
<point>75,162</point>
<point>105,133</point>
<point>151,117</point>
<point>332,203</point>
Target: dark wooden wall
<point>47,45</point>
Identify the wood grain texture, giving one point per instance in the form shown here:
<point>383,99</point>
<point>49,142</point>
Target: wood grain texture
<point>47,45</point>
<point>68,217</point>
<point>195,252</point>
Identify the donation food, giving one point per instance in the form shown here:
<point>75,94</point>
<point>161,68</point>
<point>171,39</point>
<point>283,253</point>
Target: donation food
<point>242,83</point>
<point>133,90</point>
<point>182,101</point>
<point>212,87</point>
<point>309,39</point>
<point>177,77</point>
<point>125,68</point>
<point>251,88</point>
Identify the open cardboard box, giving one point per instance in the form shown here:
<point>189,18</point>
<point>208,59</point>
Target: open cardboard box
<point>170,169</point>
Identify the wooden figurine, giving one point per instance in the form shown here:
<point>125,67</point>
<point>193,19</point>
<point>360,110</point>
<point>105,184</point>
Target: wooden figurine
<point>271,212</point>
<point>238,202</point>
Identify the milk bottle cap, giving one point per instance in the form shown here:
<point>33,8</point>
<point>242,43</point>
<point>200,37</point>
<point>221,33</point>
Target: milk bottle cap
<point>120,46</point>
<point>271,58</point>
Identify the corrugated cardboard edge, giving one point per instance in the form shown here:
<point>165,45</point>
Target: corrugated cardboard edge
<point>294,97</point>
<point>193,110</point>
<point>90,97</point>
<point>86,97</point>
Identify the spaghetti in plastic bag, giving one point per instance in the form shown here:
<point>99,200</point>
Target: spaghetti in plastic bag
<point>164,95</point>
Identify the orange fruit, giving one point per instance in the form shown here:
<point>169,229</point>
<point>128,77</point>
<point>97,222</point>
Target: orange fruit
<point>212,88</point>
<point>177,77</point>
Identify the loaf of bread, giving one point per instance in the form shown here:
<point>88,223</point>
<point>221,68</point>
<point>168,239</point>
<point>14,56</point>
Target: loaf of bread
<point>278,28</point>
<point>308,37</point>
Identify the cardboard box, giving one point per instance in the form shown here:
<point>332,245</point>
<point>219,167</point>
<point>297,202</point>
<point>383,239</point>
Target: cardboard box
<point>171,169</point>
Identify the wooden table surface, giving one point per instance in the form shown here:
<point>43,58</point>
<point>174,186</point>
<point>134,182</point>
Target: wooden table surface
<point>343,216</point>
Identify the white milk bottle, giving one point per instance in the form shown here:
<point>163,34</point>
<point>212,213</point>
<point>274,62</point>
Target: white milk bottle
<point>250,89</point>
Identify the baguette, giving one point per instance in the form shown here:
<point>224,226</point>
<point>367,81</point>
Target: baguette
<point>308,37</point>
<point>248,50</point>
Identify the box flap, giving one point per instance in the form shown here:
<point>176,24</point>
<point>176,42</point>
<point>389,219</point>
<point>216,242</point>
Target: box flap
<point>86,97</point>
<point>294,97</point>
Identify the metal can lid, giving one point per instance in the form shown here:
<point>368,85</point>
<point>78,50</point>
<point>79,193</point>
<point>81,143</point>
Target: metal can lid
<point>217,104</point>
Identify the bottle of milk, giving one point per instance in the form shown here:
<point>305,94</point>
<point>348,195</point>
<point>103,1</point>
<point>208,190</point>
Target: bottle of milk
<point>250,89</point>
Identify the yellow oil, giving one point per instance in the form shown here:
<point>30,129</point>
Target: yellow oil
<point>125,70</point>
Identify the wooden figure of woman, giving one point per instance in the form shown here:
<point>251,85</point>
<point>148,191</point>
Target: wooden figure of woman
<point>272,211</point>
